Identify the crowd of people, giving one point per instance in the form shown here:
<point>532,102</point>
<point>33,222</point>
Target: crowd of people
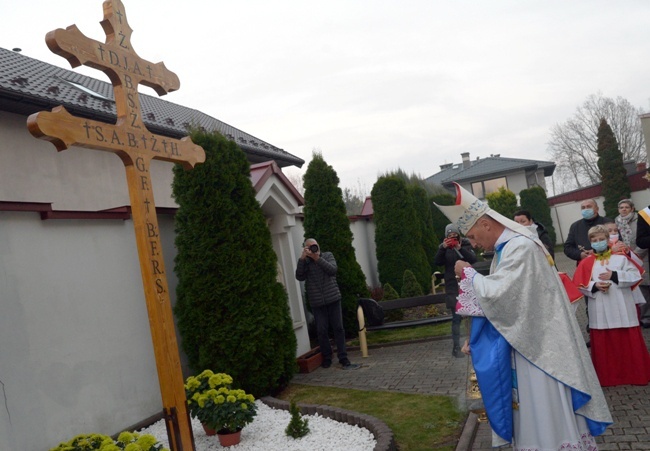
<point>540,381</point>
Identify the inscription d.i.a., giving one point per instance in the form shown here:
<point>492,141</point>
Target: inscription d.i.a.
<point>113,59</point>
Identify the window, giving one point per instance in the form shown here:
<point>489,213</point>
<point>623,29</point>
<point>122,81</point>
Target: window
<point>481,189</point>
<point>477,189</point>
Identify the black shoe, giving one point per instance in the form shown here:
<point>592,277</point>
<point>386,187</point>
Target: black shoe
<point>345,363</point>
<point>456,352</point>
<point>589,344</point>
<point>326,363</point>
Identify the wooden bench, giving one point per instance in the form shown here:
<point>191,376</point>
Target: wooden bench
<point>430,299</point>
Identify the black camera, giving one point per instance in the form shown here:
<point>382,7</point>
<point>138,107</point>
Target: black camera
<point>313,248</point>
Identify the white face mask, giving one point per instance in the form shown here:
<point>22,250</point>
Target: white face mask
<point>613,238</point>
<point>532,227</point>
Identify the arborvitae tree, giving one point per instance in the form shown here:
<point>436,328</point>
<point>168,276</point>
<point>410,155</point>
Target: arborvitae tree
<point>534,200</point>
<point>232,313</point>
<point>411,288</point>
<point>440,221</point>
<point>298,426</point>
<point>429,239</point>
<point>390,294</point>
<point>327,222</point>
<point>612,170</point>
<point>397,233</point>
<point>503,201</point>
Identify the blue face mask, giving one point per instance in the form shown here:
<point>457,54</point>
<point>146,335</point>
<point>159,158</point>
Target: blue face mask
<point>599,246</point>
<point>588,213</point>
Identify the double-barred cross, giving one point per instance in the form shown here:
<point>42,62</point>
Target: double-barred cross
<point>136,146</point>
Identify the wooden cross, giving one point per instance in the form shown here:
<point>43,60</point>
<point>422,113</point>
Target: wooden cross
<point>136,146</point>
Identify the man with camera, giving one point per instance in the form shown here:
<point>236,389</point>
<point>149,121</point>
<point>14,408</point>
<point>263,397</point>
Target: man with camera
<point>452,249</point>
<point>318,270</point>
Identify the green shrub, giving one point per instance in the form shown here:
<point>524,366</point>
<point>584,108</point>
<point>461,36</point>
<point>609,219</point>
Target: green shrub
<point>411,288</point>
<point>503,201</point>
<point>298,426</point>
<point>233,314</point>
<point>398,235</point>
<point>390,294</point>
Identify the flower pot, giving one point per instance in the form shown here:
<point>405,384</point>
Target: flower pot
<point>309,361</point>
<point>208,430</point>
<point>229,438</point>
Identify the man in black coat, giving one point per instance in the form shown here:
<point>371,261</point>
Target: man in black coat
<point>318,271</point>
<point>577,245</point>
<point>452,249</point>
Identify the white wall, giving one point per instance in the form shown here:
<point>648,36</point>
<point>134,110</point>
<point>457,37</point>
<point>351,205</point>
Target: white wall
<point>76,352</point>
<point>363,241</point>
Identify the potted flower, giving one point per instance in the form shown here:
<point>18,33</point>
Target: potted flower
<point>220,408</point>
<point>131,441</point>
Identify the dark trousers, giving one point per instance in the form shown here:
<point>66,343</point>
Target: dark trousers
<point>326,317</point>
<point>455,329</point>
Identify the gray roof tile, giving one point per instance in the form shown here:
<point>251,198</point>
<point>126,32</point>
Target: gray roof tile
<point>487,167</point>
<point>28,85</point>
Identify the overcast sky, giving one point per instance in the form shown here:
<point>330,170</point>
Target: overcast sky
<point>376,85</point>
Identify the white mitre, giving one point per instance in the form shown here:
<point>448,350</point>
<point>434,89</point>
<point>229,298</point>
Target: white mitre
<point>468,209</point>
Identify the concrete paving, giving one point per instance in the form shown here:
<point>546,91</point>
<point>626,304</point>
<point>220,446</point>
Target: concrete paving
<point>429,368</point>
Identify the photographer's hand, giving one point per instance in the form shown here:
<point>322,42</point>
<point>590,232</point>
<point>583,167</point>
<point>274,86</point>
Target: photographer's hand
<point>305,253</point>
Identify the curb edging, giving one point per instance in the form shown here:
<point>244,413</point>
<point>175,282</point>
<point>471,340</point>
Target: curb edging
<point>468,435</point>
<point>379,429</point>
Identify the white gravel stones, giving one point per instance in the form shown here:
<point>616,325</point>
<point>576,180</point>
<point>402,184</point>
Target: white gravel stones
<point>266,432</point>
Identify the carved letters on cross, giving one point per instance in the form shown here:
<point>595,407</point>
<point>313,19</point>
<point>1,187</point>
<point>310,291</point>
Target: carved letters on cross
<point>136,146</point>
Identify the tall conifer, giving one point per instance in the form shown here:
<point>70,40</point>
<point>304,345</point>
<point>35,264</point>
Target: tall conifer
<point>398,236</point>
<point>232,313</point>
<point>612,170</point>
<point>326,221</point>
<point>429,237</point>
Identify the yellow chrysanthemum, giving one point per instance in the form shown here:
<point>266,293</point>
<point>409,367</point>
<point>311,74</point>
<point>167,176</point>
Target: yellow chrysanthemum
<point>125,437</point>
<point>206,374</point>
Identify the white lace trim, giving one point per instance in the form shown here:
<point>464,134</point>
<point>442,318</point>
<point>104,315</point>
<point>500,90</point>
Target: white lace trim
<point>586,443</point>
<point>467,301</point>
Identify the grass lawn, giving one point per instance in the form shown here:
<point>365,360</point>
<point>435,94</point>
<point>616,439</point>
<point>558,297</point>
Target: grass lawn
<point>419,422</point>
<point>406,333</point>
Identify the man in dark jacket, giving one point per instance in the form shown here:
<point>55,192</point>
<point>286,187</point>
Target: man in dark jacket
<point>318,271</point>
<point>452,249</point>
<point>524,218</point>
<point>577,245</point>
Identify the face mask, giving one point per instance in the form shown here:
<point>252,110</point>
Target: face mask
<point>532,228</point>
<point>599,246</point>
<point>588,213</point>
<point>613,238</point>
